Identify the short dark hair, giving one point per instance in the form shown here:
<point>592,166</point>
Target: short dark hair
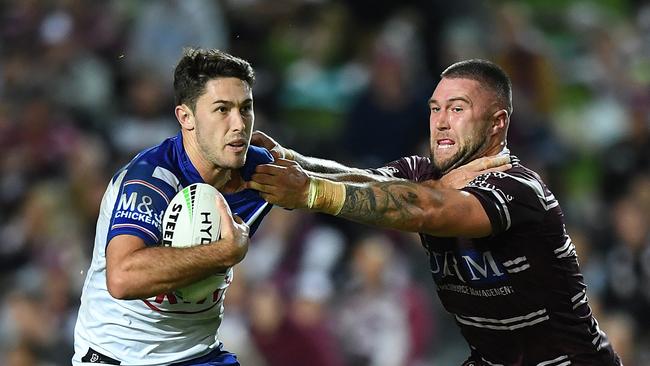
<point>198,66</point>
<point>485,72</point>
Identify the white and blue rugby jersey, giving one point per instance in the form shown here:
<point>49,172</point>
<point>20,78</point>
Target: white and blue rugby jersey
<point>163,329</point>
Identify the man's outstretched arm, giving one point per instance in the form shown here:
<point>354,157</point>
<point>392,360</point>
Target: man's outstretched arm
<point>312,164</point>
<point>398,204</point>
<point>416,207</point>
<point>335,171</point>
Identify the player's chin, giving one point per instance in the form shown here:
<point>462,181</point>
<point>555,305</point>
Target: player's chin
<point>235,162</point>
<point>443,165</point>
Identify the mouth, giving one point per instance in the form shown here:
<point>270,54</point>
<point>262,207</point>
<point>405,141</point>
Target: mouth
<point>445,143</point>
<point>237,145</point>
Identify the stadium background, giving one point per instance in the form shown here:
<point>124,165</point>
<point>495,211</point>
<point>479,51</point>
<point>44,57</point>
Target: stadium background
<point>86,84</point>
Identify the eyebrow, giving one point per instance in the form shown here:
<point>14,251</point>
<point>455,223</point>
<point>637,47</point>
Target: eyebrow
<point>453,99</point>
<point>230,102</point>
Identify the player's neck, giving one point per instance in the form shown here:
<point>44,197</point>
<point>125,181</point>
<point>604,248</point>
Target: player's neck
<point>225,180</point>
<point>235,183</point>
<point>219,178</point>
<point>495,149</point>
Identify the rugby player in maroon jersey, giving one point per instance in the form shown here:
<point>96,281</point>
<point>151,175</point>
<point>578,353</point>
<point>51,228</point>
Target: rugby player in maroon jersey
<point>500,256</point>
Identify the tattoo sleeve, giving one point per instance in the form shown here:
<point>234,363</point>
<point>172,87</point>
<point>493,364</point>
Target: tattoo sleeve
<point>398,205</point>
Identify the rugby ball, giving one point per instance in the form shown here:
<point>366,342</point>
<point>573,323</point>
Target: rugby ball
<point>192,219</point>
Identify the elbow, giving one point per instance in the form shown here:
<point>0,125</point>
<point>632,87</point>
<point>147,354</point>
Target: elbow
<point>429,222</point>
<point>236,253</point>
<point>118,285</point>
<point>232,260</point>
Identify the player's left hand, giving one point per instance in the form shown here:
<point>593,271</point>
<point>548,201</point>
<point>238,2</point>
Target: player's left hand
<point>459,177</point>
<point>283,183</point>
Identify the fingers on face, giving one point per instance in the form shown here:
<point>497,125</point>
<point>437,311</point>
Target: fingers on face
<point>259,135</point>
<point>257,138</point>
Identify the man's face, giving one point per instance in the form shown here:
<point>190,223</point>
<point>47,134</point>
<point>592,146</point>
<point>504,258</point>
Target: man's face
<point>224,122</point>
<point>459,122</point>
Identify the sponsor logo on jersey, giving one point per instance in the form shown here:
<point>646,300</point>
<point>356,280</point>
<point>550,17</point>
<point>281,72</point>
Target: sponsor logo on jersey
<point>139,208</point>
<point>468,266</point>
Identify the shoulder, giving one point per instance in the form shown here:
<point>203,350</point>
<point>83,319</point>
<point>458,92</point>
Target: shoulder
<point>519,183</point>
<point>512,198</point>
<point>155,165</point>
<point>518,177</point>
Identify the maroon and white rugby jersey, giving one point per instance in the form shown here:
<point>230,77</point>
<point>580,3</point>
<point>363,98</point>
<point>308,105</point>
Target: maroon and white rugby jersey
<point>518,295</point>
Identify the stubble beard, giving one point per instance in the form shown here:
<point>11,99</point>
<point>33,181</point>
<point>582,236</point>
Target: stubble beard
<point>212,156</point>
<point>463,156</point>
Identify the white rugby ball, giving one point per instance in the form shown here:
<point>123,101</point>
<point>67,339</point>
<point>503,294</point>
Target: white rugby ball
<point>192,219</point>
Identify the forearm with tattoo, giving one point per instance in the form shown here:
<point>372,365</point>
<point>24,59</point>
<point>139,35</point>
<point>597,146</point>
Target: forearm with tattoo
<point>398,205</point>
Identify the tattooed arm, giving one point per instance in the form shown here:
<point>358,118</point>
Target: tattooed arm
<point>312,164</point>
<point>416,207</point>
<point>397,204</point>
<point>332,170</point>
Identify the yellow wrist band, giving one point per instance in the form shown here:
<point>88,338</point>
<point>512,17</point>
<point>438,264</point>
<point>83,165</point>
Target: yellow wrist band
<point>326,196</point>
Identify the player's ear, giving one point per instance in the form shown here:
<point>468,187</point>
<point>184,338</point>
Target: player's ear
<point>184,116</point>
<point>499,121</point>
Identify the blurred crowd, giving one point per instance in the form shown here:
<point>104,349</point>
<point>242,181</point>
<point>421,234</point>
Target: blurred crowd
<point>84,85</point>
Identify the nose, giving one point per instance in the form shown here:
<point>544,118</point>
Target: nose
<point>238,122</point>
<point>439,120</point>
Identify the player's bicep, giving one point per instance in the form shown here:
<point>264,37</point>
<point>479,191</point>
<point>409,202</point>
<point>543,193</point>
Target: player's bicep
<point>454,213</point>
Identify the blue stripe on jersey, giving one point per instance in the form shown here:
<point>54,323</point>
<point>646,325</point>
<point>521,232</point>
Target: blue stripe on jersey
<point>156,174</point>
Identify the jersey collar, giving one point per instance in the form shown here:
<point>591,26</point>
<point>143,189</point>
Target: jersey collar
<point>187,168</point>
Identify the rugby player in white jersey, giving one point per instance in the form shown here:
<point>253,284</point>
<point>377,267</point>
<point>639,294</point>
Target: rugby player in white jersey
<point>129,313</point>
<point>503,263</point>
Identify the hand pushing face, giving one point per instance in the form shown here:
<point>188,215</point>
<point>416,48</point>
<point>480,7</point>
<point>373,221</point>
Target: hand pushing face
<point>283,183</point>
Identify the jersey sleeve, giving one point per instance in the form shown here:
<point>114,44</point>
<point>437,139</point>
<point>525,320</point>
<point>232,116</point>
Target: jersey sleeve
<point>511,198</point>
<point>413,168</point>
<point>143,196</point>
